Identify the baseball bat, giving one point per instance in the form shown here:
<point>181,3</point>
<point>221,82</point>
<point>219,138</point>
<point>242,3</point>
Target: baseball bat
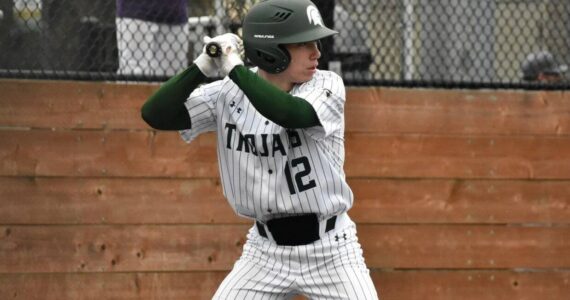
<point>213,49</point>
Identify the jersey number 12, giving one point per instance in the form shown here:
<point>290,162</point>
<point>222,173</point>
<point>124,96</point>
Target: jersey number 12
<point>304,171</point>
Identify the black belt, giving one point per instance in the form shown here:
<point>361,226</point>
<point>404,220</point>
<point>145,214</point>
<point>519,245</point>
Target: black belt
<point>295,230</point>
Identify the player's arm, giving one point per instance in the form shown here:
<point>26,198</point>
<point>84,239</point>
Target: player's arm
<point>165,109</point>
<point>276,105</point>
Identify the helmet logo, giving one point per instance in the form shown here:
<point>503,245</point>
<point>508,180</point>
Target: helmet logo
<point>314,16</point>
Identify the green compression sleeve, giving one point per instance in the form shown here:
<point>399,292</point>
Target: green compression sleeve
<point>165,109</point>
<point>276,105</point>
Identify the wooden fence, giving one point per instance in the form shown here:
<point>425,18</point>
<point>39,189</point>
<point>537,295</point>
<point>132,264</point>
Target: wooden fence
<point>459,194</point>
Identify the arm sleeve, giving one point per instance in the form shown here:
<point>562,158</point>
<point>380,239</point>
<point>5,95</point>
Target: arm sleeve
<point>165,109</point>
<point>327,95</point>
<point>276,105</point>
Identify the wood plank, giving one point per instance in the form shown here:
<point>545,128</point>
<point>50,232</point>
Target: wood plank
<point>49,249</point>
<point>163,154</point>
<point>106,153</point>
<point>110,286</point>
<point>472,112</point>
<point>465,247</point>
<point>435,156</point>
<point>70,104</point>
<point>460,201</point>
<point>55,200</point>
<point>52,249</point>
<point>473,285</point>
<point>394,285</point>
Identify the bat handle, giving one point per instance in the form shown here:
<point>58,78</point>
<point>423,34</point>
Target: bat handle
<point>213,49</point>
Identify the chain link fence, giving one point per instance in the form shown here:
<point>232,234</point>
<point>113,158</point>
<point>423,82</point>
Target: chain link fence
<point>445,43</point>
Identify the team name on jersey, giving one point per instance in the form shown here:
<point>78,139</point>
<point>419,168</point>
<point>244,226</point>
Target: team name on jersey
<point>269,144</point>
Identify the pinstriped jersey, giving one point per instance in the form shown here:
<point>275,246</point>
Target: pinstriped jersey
<point>268,170</point>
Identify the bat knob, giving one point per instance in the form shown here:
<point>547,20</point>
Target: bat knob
<point>213,49</point>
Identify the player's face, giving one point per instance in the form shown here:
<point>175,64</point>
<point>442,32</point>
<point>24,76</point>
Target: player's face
<point>304,61</point>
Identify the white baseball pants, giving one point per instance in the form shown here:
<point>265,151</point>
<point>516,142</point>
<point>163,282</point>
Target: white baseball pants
<point>330,268</point>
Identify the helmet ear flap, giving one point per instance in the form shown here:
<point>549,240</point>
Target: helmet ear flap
<point>286,55</point>
<point>274,61</point>
<point>266,57</point>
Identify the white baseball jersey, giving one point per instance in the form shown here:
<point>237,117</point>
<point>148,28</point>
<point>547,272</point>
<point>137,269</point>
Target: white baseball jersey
<point>268,170</point>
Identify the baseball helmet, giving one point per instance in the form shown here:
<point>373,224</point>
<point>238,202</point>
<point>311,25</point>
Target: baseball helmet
<point>541,62</point>
<point>272,23</point>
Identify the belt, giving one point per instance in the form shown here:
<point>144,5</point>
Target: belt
<point>295,230</point>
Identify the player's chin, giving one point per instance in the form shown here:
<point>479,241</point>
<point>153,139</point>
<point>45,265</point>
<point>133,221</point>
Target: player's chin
<point>307,75</point>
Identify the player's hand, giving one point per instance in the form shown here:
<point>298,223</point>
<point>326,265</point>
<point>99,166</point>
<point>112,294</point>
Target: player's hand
<point>207,65</point>
<point>232,52</point>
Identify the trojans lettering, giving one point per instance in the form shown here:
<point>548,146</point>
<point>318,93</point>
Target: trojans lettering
<point>270,144</point>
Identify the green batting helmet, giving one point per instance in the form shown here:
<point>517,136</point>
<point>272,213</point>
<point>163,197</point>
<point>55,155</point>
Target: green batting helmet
<point>271,23</point>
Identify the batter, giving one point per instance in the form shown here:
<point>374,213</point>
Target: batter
<point>280,143</point>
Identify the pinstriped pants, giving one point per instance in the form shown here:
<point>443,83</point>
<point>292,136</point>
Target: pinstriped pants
<point>330,268</point>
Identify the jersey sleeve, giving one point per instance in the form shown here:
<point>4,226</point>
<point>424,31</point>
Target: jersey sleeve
<point>201,107</point>
<point>327,96</point>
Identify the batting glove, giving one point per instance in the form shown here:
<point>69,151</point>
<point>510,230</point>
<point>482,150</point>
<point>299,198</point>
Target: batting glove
<point>207,65</point>
<point>232,52</point>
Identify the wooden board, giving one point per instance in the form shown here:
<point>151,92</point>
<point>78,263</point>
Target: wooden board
<point>417,201</point>
<point>473,285</point>
<point>393,285</point>
<point>45,200</point>
<point>57,200</point>
<point>435,156</point>
<point>459,194</point>
<point>52,249</point>
<point>95,105</point>
<point>111,286</point>
<point>72,104</point>
<point>472,112</point>
<point>105,153</point>
<point>146,154</point>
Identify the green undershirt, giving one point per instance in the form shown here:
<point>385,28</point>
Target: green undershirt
<point>276,105</point>
<point>165,109</point>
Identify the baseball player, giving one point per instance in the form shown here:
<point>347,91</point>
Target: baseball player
<point>280,144</point>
